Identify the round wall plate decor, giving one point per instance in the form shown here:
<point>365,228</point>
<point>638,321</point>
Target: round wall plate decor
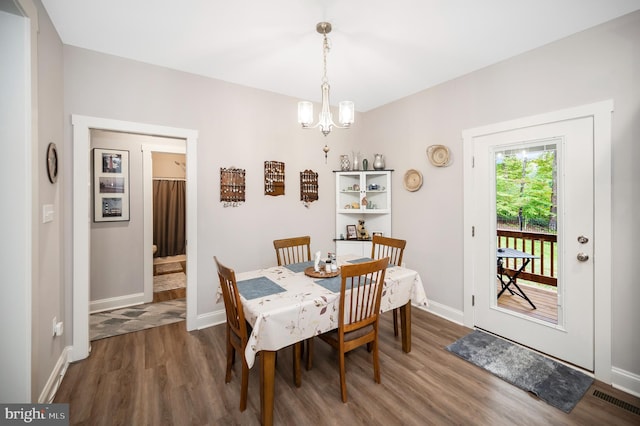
<point>412,180</point>
<point>438,155</point>
<point>52,162</point>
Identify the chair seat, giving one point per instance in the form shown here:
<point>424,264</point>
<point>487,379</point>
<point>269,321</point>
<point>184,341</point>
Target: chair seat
<point>349,336</point>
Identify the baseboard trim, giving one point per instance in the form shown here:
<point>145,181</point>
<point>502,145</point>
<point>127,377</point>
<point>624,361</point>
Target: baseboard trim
<point>625,381</point>
<point>112,303</point>
<point>55,378</point>
<point>210,319</point>
<point>445,312</point>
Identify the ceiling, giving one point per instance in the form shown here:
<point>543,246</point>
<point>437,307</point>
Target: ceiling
<point>381,50</point>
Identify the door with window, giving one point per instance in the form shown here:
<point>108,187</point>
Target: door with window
<point>562,197</point>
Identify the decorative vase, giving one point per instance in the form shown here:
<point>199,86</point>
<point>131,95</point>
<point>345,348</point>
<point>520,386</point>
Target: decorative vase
<point>365,164</point>
<point>356,161</point>
<point>345,164</point>
<point>378,162</point>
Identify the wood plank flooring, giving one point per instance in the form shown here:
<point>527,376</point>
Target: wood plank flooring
<point>546,302</point>
<point>168,376</point>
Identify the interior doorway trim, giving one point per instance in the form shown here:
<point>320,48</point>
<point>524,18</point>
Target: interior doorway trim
<point>601,113</point>
<point>82,126</point>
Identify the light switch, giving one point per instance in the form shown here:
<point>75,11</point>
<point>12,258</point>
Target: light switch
<point>48,213</point>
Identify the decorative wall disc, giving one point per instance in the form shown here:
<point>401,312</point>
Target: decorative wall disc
<point>438,155</point>
<point>412,180</point>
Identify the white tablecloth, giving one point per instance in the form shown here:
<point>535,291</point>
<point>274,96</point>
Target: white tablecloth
<point>305,309</point>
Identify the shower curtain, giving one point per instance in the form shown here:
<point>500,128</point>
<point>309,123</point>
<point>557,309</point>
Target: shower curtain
<point>169,217</point>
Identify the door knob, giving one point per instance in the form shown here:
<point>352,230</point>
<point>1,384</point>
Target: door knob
<point>582,257</point>
<point>582,239</point>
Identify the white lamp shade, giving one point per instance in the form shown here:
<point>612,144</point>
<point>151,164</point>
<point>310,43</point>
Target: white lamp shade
<point>347,113</point>
<point>305,113</point>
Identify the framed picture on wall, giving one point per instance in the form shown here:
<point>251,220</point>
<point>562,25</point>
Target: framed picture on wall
<point>110,185</point>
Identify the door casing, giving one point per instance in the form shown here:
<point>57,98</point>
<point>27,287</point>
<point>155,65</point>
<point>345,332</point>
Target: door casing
<point>601,113</point>
<point>81,218</point>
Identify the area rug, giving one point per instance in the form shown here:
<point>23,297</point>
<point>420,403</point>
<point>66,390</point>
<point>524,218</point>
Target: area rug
<point>169,281</point>
<point>555,383</point>
<point>136,318</point>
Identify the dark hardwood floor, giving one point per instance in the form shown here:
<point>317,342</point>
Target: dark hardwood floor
<point>168,376</point>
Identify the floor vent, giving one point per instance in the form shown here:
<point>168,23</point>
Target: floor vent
<point>615,401</point>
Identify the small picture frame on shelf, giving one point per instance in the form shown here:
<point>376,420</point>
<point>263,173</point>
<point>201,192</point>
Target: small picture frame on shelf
<point>351,232</point>
<point>379,234</point>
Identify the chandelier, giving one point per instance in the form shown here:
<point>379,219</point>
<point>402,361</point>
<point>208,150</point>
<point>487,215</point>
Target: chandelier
<point>325,119</point>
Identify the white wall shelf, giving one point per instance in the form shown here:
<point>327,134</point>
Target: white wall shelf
<point>353,189</point>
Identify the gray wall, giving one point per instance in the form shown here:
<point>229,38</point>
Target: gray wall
<point>595,65</point>
<point>48,290</point>
<point>239,127</point>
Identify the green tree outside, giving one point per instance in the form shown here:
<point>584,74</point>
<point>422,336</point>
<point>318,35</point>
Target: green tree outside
<point>525,188</point>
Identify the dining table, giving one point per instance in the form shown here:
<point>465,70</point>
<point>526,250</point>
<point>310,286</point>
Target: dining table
<point>285,306</point>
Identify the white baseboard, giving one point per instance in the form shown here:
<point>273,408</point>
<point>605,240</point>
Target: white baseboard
<point>445,312</point>
<point>116,302</point>
<point>55,378</point>
<point>625,381</point>
<point>210,319</point>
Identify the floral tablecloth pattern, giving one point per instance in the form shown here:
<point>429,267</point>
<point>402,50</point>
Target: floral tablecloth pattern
<point>306,309</point>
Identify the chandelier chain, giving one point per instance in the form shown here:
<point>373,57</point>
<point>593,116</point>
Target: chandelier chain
<point>325,52</point>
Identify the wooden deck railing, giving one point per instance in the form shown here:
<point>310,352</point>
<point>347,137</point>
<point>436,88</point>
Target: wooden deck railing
<point>542,270</point>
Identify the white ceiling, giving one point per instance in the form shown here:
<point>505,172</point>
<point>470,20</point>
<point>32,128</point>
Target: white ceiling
<point>382,50</point>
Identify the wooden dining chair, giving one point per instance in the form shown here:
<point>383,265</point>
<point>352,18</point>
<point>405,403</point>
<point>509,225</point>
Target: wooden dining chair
<point>238,332</point>
<point>392,248</point>
<point>237,335</point>
<point>293,250</point>
<point>360,294</point>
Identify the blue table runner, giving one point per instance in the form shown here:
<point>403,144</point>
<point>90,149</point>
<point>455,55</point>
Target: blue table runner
<point>332,284</point>
<point>258,287</point>
<point>299,267</point>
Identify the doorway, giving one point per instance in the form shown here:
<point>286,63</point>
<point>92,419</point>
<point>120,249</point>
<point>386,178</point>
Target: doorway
<point>120,300</point>
<point>82,126</point>
<point>579,135</point>
<point>169,224</point>
<point>571,142</point>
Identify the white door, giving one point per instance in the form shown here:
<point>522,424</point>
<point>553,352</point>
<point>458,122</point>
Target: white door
<point>572,338</point>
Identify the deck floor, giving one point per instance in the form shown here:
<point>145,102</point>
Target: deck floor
<point>546,302</point>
